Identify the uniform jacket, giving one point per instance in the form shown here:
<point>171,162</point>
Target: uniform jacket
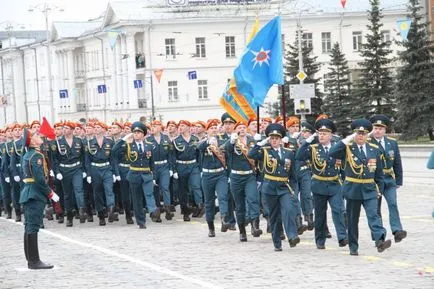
<point>98,154</point>
<point>391,158</point>
<point>62,153</point>
<point>162,151</point>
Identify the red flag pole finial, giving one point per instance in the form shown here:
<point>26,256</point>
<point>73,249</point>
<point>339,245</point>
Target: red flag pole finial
<point>343,3</point>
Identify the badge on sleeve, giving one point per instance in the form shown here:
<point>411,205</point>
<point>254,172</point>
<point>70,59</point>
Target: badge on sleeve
<point>39,162</point>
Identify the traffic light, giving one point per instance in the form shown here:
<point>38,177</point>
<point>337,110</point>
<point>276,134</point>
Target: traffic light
<point>302,106</point>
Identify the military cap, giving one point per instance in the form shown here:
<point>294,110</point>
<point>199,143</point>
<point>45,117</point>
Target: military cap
<point>58,124</point>
<point>128,124</point>
<point>156,122</point>
<point>380,120</point>
<point>275,129</point>
<point>201,123</point>
<point>325,124</point>
<point>15,125</point>
<point>101,124</point>
<point>305,126</point>
<point>212,122</point>
<point>119,124</point>
<point>35,122</point>
<point>361,124</point>
<point>69,124</point>
<point>279,118</point>
<point>139,126</point>
<point>227,118</point>
<point>171,122</point>
<point>321,116</point>
<point>240,123</point>
<point>267,119</point>
<point>185,122</point>
<point>292,120</point>
<point>252,119</point>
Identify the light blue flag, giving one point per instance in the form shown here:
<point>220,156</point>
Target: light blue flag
<point>404,27</point>
<point>261,64</point>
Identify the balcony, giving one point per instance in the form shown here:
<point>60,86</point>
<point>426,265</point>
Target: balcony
<point>142,103</point>
<point>81,107</point>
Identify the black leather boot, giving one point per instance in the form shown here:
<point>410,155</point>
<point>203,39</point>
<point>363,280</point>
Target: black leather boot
<point>18,214</point>
<point>101,218</point>
<point>33,253</point>
<point>82,214</point>
<point>69,219</point>
<point>301,228</point>
<point>8,211</point>
<point>169,215</point>
<point>128,216</point>
<point>211,229</point>
<point>155,216</point>
<point>243,234</point>
<point>112,215</point>
<point>256,232</point>
<point>26,247</point>
<point>201,210</point>
<point>60,218</point>
<point>310,223</point>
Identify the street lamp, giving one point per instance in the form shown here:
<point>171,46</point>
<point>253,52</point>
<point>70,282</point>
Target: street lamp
<point>46,9</point>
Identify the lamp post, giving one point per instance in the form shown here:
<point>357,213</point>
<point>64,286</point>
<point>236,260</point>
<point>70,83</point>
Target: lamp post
<point>46,9</point>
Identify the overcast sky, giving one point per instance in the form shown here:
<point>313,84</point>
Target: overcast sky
<point>16,11</point>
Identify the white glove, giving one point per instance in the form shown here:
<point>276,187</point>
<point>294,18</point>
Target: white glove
<point>114,179</point>
<point>229,180</point>
<point>285,140</point>
<point>296,134</point>
<point>154,182</point>
<point>59,176</point>
<point>84,175</point>
<point>201,174</point>
<point>54,197</point>
<point>7,180</point>
<point>175,176</point>
<point>263,142</point>
<point>89,180</point>
<point>118,178</point>
<point>17,179</point>
<point>170,174</point>
<point>234,137</point>
<point>311,138</point>
<point>51,173</point>
<point>257,137</point>
<point>371,133</point>
<point>125,138</point>
<point>349,138</point>
<point>213,141</point>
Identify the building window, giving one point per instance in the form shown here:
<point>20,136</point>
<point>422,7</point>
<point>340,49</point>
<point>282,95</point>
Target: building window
<point>357,40</point>
<point>230,46</point>
<point>307,40</point>
<point>200,47</point>
<point>203,89</point>
<point>173,90</point>
<point>386,36</point>
<point>326,40</point>
<point>170,47</point>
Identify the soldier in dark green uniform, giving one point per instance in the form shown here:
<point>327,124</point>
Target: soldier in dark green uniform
<point>15,169</point>
<point>34,197</point>
<point>6,150</point>
<point>364,182</point>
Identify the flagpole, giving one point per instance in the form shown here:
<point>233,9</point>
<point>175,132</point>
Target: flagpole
<point>258,119</point>
<point>282,89</point>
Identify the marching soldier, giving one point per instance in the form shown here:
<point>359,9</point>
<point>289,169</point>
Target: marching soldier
<point>277,163</point>
<point>200,129</point>
<point>100,173</point>
<point>15,169</point>
<point>243,180</point>
<point>58,131</point>
<point>364,181</point>
<point>392,168</point>
<point>68,167</point>
<point>187,169</point>
<point>326,183</point>
<point>214,178</point>
<point>139,155</point>
<point>115,134</point>
<point>2,141</point>
<point>34,197</point>
<point>164,162</point>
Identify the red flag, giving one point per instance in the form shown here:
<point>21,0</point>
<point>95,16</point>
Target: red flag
<point>343,2</point>
<point>47,130</point>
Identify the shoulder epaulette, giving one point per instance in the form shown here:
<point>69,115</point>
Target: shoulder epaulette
<point>314,145</point>
<point>373,145</point>
<point>287,149</point>
<point>391,138</point>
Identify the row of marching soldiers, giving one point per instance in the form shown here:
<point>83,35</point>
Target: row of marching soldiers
<point>285,174</point>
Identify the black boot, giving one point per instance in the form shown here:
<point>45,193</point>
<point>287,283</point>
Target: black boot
<point>101,218</point>
<point>301,228</point>
<point>26,247</point>
<point>211,229</point>
<point>201,210</point>
<point>33,253</point>
<point>169,215</point>
<point>155,216</point>
<point>310,223</point>
<point>17,214</point>
<point>112,216</point>
<point>186,213</point>
<point>8,211</point>
<point>243,234</point>
<point>281,231</point>
<point>225,224</point>
<point>60,218</point>
<point>128,215</point>
<point>256,232</point>
<point>82,214</point>
<point>69,219</point>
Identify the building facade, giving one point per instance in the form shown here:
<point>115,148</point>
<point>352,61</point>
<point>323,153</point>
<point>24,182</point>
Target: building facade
<point>168,62</point>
